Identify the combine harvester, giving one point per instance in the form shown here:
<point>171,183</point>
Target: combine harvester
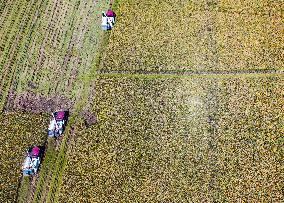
<point>58,123</point>
<point>32,161</point>
<point>34,154</point>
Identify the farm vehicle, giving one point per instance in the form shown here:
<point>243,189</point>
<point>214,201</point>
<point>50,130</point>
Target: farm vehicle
<point>32,161</point>
<point>58,123</point>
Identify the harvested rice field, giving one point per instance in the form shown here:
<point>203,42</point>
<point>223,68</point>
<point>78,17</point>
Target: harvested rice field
<point>47,48</point>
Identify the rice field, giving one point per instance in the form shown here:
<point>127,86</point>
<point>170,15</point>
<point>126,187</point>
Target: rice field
<point>47,48</point>
<point>163,136</point>
<point>18,132</point>
<point>186,36</point>
<point>186,98</point>
<point>179,140</point>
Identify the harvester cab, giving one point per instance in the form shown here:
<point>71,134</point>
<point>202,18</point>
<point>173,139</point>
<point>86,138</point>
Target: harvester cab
<point>32,161</point>
<point>58,123</point>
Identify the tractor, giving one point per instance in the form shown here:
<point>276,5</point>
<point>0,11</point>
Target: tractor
<point>58,123</point>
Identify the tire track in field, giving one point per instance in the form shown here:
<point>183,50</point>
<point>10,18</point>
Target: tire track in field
<point>42,187</point>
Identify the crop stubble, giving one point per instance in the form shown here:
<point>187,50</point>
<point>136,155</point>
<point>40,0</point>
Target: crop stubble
<point>55,49</point>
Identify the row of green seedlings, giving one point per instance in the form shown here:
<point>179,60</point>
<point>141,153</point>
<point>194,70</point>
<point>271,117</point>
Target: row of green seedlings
<point>77,27</point>
<point>27,58</point>
<point>17,53</point>
<point>5,12</point>
<point>12,30</point>
<point>65,43</point>
<point>8,18</point>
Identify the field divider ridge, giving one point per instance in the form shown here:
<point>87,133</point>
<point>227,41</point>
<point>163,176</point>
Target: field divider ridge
<point>202,73</point>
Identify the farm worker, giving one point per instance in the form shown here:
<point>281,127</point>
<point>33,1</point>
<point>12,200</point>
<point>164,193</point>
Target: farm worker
<point>104,21</point>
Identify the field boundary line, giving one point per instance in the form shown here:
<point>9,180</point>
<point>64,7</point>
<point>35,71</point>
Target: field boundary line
<point>153,74</point>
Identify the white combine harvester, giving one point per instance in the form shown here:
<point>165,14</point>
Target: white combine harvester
<point>57,123</point>
<point>108,19</point>
<point>32,161</point>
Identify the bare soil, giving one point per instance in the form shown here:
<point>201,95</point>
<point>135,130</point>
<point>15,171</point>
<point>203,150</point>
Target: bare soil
<point>34,103</point>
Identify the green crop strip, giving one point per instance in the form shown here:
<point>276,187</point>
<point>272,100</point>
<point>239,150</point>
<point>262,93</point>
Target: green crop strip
<point>7,21</point>
<point>24,190</point>
<point>24,23</point>
<point>29,32</point>
<point>46,171</point>
<point>15,26</point>
<point>29,58</point>
<point>190,75</point>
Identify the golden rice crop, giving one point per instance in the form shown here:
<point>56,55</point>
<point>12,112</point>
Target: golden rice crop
<point>18,132</point>
<point>179,140</point>
<point>195,35</point>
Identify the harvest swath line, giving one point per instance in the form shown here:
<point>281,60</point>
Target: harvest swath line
<point>40,58</point>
